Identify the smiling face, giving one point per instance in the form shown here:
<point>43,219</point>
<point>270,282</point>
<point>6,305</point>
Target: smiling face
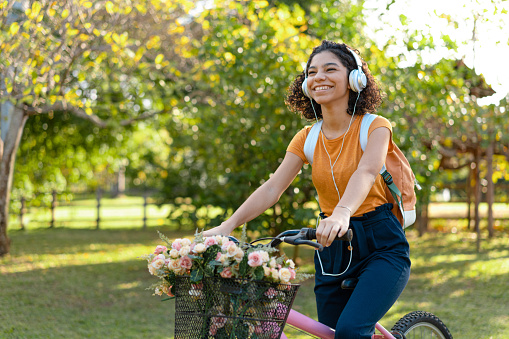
<point>327,79</point>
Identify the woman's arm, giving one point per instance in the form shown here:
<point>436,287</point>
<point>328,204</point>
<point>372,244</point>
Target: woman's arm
<point>357,189</point>
<point>264,197</point>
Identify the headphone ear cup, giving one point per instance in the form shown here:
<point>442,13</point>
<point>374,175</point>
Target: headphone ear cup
<point>357,80</point>
<point>305,88</point>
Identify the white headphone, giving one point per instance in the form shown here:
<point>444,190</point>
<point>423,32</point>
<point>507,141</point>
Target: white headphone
<point>357,79</point>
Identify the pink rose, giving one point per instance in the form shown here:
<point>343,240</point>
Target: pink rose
<point>186,262</point>
<point>293,273</point>
<point>226,244</point>
<point>210,241</point>
<point>176,245</point>
<point>226,272</point>
<point>218,256</point>
<point>254,259</point>
<point>160,249</point>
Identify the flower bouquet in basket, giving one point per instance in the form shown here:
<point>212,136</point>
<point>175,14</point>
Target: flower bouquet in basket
<point>224,289</point>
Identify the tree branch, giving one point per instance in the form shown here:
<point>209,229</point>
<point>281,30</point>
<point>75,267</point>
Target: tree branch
<point>63,106</point>
<point>80,113</point>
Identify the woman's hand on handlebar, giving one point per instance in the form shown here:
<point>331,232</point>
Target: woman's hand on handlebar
<point>222,229</point>
<point>334,226</point>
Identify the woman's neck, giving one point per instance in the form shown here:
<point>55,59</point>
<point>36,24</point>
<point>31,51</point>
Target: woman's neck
<point>335,121</point>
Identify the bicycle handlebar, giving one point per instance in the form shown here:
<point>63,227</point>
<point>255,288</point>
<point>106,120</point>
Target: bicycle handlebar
<point>304,236</point>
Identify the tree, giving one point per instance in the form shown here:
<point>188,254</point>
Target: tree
<point>90,59</point>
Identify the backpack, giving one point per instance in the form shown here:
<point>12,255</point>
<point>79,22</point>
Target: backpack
<point>396,172</point>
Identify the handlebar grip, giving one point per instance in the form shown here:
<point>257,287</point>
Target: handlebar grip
<point>348,236</point>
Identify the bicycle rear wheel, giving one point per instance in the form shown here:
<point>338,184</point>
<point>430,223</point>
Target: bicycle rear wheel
<point>420,324</point>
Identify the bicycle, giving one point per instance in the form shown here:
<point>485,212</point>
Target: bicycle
<point>417,324</point>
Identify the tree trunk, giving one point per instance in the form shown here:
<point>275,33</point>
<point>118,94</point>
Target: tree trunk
<point>12,129</point>
<point>422,216</point>
<point>469,197</point>
<point>477,199</point>
<point>477,191</point>
<point>490,197</point>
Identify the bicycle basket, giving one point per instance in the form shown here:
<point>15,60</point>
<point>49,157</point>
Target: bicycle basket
<point>231,308</point>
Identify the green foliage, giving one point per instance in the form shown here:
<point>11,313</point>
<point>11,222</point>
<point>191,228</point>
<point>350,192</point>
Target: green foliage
<point>214,83</point>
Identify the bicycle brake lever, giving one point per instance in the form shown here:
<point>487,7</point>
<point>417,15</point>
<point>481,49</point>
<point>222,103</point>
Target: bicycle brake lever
<point>310,243</point>
<point>297,240</point>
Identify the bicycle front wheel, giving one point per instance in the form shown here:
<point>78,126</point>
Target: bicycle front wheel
<point>420,324</point>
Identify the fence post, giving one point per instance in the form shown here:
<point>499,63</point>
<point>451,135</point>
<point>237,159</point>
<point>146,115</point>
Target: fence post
<point>53,206</point>
<point>21,213</point>
<point>98,197</point>
<point>145,210</point>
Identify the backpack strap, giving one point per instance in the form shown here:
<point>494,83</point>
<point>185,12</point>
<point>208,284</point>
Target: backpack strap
<point>311,139</point>
<point>363,139</point>
<point>363,135</point>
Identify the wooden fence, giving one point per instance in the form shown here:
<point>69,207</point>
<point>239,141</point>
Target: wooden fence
<point>143,211</point>
<point>45,207</point>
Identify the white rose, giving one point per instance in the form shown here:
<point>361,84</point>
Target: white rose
<point>265,256</point>
<point>290,263</point>
<point>174,266</point>
<point>272,263</point>
<point>158,263</point>
<point>285,275</point>
<point>200,248</point>
<point>231,250</point>
<point>185,242</point>
<point>184,251</point>
<point>174,253</point>
<point>266,271</point>
<point>239,255</point>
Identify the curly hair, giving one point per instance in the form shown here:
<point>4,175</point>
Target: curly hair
<point>370,97</point>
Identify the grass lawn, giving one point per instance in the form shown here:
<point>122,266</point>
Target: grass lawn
<point>72,283</point>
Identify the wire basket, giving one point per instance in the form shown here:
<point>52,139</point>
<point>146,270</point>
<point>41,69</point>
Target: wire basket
<point>231,308</point>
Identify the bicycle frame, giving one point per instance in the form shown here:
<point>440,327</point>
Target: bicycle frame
<point>320,330</point>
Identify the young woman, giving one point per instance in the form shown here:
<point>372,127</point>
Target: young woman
<point>339,89</point>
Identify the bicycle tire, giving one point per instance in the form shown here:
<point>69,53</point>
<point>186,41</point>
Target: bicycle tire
<point>415,324</point>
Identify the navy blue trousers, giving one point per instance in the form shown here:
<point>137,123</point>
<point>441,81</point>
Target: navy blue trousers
<point>381,262</point>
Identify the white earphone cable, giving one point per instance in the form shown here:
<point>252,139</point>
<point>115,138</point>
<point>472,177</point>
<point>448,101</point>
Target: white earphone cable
<point>335,185</point>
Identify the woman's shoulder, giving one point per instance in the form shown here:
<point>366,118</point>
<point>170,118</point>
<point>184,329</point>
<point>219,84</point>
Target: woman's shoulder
<point>380,121</point>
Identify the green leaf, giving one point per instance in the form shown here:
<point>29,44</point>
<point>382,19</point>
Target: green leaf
<point>196,275</point>
<point>243,267</point>
<point>170,278</point>
<point>211,253</point>
<point>258,273</point>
